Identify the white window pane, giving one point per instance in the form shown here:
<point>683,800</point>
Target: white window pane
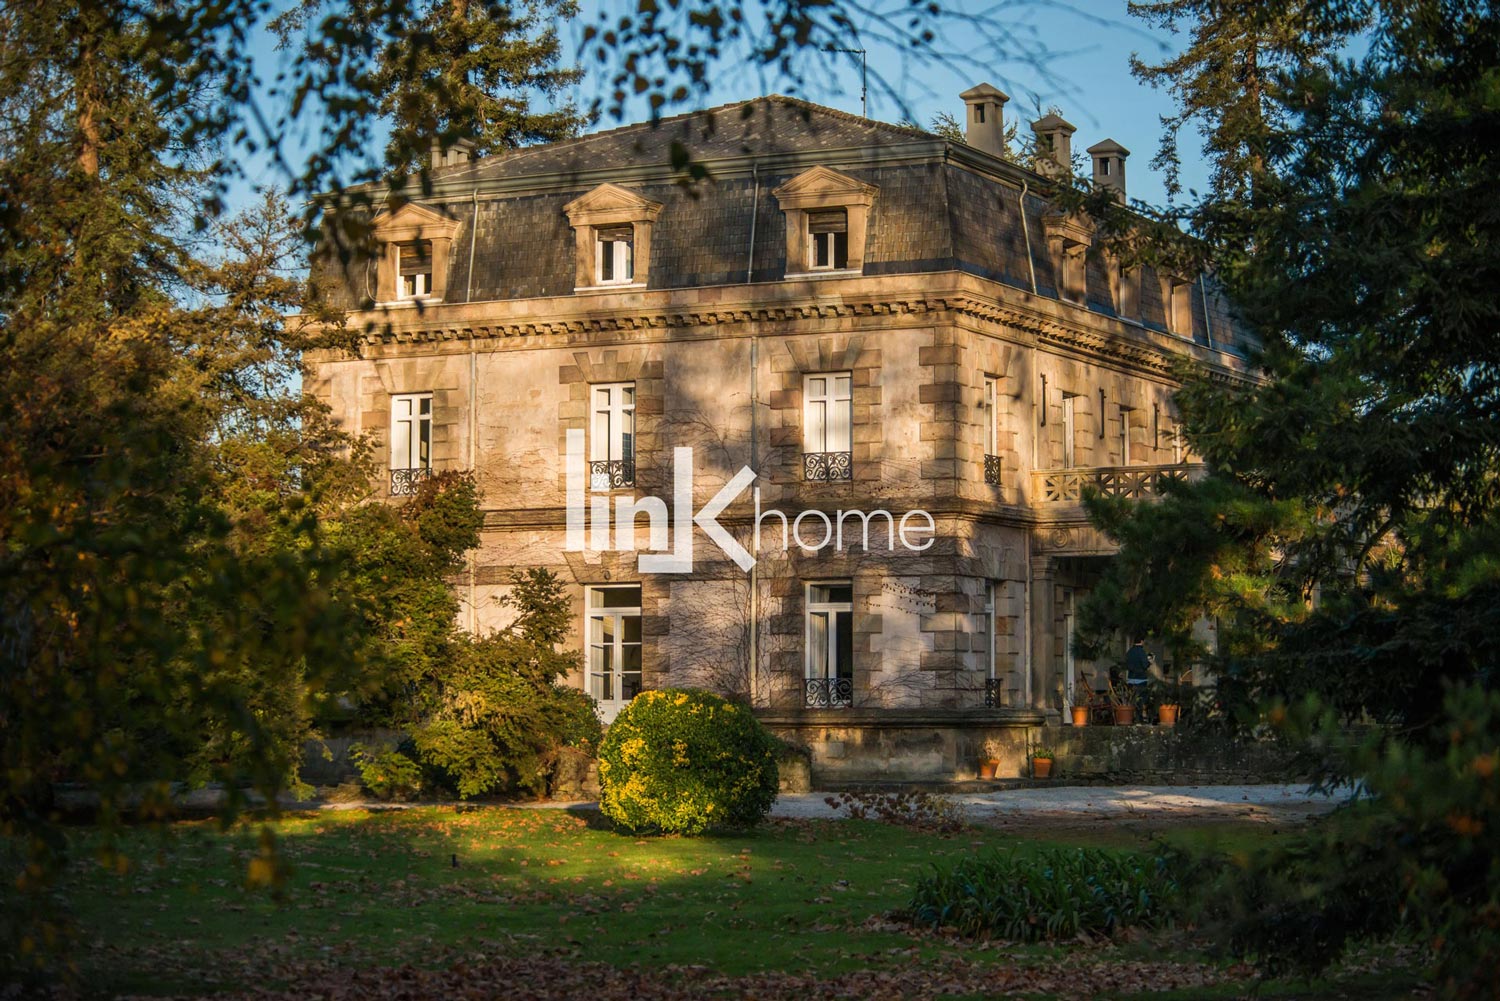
<point>599,446</point>
<point>843,645</point>
<point>814,430</point>
<point>401,445</point>
<point>817,645</point>
<point>841,387</point>
<point>838,426</point>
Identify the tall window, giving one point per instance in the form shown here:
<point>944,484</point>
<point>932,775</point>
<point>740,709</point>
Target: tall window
<point>827,413</point>
<point>612,436</point>
<point>411,441</point>
<point>614,255</point>
<point>830,645</point>
<point>828,233</point>
<point>1070,430</point>
<point>1126,413</point>
<point>1177,443</point>
<point>414,269</point>
<point>987,646</point>
<point>989,410</point>
<point>614,646</point>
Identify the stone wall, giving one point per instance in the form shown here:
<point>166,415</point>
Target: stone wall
<point>854,747</point>
<point>1159,755</point>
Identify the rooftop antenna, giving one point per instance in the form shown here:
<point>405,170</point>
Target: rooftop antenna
<point>864,78</point>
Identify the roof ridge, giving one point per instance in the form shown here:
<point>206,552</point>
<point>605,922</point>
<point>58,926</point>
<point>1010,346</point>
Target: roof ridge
<point>522,153</point>
<point>848,116</point>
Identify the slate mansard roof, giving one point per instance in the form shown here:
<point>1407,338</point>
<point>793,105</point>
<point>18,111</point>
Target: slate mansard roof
<point>941,206</point>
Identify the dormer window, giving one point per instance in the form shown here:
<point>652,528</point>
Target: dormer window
<point>1069,237</point>
<point>414,266</point>
<point>414,244</point>
<point>614,255</point>
<point>612,228</point>
<point>827,219</point>
<point>828,236</point>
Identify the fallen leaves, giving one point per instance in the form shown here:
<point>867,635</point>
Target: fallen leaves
<point>476,972</point>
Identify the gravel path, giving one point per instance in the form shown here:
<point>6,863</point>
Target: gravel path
<point>1068,805</point>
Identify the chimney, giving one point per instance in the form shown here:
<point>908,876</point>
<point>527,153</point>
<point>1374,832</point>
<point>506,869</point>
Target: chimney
<point>984,108</point>
<point>1109,167</point>
<point>1054,145</point>
<point>458,152</point>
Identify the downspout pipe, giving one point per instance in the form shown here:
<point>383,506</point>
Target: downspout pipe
<point>1208,326</point>
<point>1026,231</point>
<point>473,231</point>
<point>750,254</point>
<point>752,681</point>
<point>473,416</point>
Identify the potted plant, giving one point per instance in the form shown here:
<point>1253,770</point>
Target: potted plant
<point>1171,702</point>
<point>1041,763</point>
<point>988,767</point>
<point>1123,700</point>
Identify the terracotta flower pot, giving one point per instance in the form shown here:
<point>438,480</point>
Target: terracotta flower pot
<point>1041,768</point>
<point>1166,715</point>
<point>1124,715</point>
<point>1080,715</point>
<point>988,767</point>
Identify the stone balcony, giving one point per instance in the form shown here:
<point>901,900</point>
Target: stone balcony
<point>1066,486</point>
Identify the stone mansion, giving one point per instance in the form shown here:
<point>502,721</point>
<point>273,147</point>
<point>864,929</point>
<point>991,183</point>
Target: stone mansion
<point>813,432</point>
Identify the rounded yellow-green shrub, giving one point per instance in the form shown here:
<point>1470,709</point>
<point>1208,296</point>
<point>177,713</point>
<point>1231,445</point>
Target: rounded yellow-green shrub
<point>680,761</point>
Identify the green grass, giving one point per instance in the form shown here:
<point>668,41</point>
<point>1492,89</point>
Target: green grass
<point>381,888</point>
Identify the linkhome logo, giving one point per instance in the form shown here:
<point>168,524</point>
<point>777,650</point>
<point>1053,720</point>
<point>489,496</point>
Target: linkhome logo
<point>591,525</point>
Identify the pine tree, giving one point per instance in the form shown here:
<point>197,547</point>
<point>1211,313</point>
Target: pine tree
<point>446,71</point>
<point>1348,528</point>
<point>1230,81</point>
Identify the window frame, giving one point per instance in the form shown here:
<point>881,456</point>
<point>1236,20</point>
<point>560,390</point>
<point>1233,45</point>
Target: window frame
<point>419,421</point>
<point>618,444</point>
<point>1070,431</point>
<point>615,668</point>
<point>832,669</point>
<point>621,256</point>
<point>837,243</point>
<point>1125,413</point>
<point>821,461</point>
<point>989,409</point>
<point>422,287</point>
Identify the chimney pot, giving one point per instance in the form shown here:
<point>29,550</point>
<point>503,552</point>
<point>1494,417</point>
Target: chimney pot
<point>984,113</point>
<point>1054,145</point>
<point>459,152</point>
<point>1109,167</point>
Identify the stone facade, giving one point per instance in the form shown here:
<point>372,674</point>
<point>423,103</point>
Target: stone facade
<point>972,389</point>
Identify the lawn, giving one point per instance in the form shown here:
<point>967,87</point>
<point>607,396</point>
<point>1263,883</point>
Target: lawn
<point>527,895</point>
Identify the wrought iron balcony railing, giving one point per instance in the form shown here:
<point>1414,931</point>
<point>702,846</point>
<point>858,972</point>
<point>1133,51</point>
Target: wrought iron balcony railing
<point>830,693</point>
<point>611,474</point>
<point>827,467</point>
<point>404,481</point>
<point>992,693</point>
<point>992,469</point>
<point>1050,486</point>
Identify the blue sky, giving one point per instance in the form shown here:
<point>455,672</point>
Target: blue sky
<point>1087,75</point>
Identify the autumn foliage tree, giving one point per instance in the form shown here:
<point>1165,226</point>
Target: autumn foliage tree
<point>1346,533</point>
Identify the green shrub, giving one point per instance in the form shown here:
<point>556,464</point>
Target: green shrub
<point>1054,894</point>
<point>386,772</point>
<point>680,761</point>
<point>577,717</point>
<point>494,720</point>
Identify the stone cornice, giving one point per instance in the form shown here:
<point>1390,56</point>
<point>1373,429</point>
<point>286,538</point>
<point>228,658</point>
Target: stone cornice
<point>660,314</point>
